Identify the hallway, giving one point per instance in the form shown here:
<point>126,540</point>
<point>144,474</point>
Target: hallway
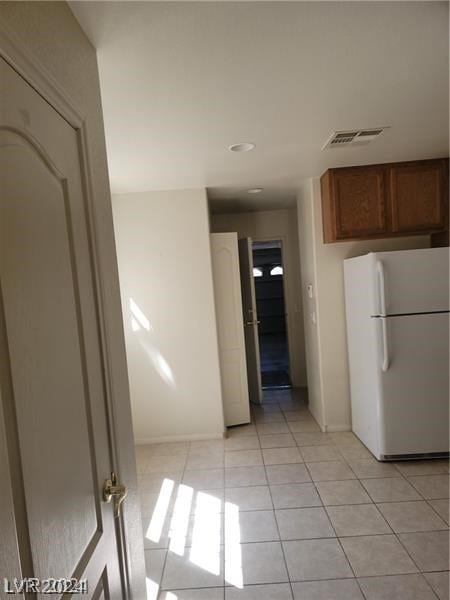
<point>281,511</point>
<point>274,361</point>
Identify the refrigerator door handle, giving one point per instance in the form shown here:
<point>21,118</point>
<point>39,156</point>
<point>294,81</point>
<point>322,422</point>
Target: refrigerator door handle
<point>384,335</point>
<point>384,332</point>
<point>382,287</point>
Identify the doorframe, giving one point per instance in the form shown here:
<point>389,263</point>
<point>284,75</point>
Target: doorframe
<point>15,52</point>
<point>283,240</point>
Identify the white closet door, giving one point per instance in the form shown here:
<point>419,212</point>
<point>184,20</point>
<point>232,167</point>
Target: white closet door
<point>227,290</point>
<point>250,320</point>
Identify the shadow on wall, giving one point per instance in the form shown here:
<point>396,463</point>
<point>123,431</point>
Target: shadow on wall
<point>139,325</point>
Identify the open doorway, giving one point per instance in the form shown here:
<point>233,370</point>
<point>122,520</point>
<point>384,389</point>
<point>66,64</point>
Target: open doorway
<point>268,276</point>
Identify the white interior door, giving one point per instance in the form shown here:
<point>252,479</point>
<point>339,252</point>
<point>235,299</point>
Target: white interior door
<point>250,320</point>
<point>58,445</point>
<point>230,331</point>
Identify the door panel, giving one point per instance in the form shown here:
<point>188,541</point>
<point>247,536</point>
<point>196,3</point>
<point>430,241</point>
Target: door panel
<point>360,202</point>
<point>250,320</point>
<point>9,556</point>
<point>58,412</point>
<point>227,292</point>
<point>418,196</point>
<point>50,389</point>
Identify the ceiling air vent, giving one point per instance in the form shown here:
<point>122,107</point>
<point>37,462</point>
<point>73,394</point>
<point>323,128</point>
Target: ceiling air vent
<point>357,137</point>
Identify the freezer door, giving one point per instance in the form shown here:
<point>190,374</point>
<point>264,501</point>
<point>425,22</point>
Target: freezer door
<point>410,281</point>
<point>414,401</point>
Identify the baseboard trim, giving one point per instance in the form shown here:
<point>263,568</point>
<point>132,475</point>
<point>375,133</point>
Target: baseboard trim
<point>336,428</point>
<point>315,418</point>
<point>190,437</point>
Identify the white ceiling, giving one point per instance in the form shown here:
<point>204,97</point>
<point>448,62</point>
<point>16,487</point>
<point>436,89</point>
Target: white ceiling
<point>181,81</point>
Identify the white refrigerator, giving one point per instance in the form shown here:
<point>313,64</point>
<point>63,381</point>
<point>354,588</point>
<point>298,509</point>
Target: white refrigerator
<point>397,309</point>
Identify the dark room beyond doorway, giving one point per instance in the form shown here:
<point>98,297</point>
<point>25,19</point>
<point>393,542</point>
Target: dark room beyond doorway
<point>269,289</point>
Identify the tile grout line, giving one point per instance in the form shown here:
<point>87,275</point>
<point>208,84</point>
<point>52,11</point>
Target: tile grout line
<point>347,462</point>
<point>160,590</point>
<point>279,534</point>
<point>337,538</point>
<point>419,571</point>
<point>330,522</point>
<point>397,536</point>
<point>436,512</point>
<point>342,458</point>
<point>427,500</point>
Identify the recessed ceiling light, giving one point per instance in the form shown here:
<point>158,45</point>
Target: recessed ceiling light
<point>254,190</point>
<point>241,147</point>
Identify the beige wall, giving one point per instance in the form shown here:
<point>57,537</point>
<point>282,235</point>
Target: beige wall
<point>277,225</point>
<point>322,265</point>
<point>307,240</point>
<point>49,31</point>
<point>169,315</point>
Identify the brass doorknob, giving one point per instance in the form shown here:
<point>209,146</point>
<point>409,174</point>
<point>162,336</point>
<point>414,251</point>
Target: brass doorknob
<point>114,491</point>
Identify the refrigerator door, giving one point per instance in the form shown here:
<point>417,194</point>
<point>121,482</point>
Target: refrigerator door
<point>414,398</point>
<point>363,351</point>
<point>410,281</point>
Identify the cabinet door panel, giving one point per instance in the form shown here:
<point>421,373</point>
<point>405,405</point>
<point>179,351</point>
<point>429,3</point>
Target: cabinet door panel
<point>418,196</point>
<point>360,203</point>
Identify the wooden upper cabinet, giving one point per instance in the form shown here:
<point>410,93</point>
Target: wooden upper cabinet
<point>387,200</point>
<point>354,203</point>
<point>418,196</point>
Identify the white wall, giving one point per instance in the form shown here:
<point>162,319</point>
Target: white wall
<point>307,242</point>
<point>51,34</point>
<point>277,225</point>
<point>322,265</point>
<point>170,330</point>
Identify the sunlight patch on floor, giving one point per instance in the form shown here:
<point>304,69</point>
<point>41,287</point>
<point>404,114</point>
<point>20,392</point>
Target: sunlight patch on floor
<point>233,554</point>
<point>152,589</point>
<point>205,550</point>
<point>180,519</point>
<point>160,512</point>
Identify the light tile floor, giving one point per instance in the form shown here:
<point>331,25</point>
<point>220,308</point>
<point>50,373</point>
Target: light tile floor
<point>281,511</point>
